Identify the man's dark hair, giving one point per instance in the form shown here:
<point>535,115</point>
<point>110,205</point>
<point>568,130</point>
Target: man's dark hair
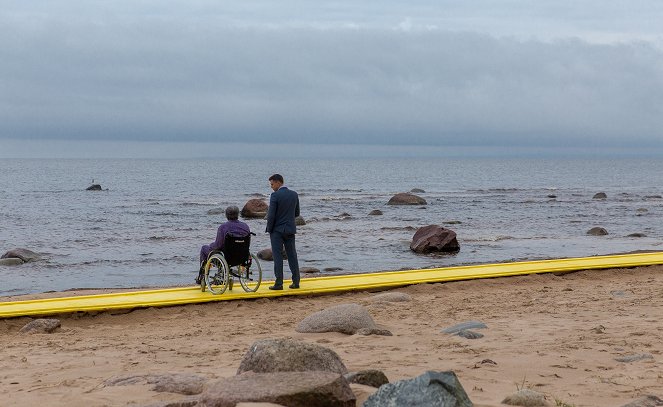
<point>232,213</point>
<point>277,178</point>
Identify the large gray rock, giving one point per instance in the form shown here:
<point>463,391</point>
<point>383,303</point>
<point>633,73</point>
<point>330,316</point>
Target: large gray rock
<point>41,326</point>
<point>406,198</point>
<point>23,254</point>
<point>255,208</point>
<point>292,389</point>
<point>344,318</point>
<point>288,355</point>
<point>434,238</point>
<point>430,389</point>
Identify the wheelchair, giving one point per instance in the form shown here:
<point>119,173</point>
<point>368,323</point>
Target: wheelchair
<point>233,261</point>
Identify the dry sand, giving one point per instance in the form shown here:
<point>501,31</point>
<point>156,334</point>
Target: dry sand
<point>556,334</point>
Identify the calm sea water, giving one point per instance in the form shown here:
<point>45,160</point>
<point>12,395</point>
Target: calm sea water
<point>146,227</point>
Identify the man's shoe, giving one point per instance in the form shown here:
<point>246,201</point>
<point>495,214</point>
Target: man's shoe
<point>276,287</point>
<point>293,286</point>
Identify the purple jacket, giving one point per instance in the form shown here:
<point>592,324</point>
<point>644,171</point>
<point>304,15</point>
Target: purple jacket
<point>234,227</point>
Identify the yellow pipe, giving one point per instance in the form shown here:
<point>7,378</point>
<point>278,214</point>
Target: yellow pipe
<point>330,284</point>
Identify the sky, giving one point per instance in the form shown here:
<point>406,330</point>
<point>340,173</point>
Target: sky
<point>447,74</point>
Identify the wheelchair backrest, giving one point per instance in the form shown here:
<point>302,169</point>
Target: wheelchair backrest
<point>236,249</point>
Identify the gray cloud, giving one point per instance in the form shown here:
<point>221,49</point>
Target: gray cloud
<point>207,74</point>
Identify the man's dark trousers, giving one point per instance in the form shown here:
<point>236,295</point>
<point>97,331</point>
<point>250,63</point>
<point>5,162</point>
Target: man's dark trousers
<point>280,240</point>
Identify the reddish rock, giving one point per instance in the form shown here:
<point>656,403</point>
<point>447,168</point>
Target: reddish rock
<point>294,389</point>
<point>255,208</point>
<point>434,238</point>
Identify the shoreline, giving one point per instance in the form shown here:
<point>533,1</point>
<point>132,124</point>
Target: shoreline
<point>556,334</point>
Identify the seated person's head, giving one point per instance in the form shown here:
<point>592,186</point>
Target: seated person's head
<point>232,212</point>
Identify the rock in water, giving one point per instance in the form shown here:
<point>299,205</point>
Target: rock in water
<point>255,208</point>
<point>94,187</point>
<point>406,198</point>
<point>23,254</point>
<point>434,238</point>
<point>597,231</point>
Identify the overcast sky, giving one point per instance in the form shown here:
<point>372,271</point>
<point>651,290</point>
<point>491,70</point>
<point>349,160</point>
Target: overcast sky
<point>444,73</point>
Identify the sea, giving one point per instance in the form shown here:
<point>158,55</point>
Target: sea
<point>145,227</point>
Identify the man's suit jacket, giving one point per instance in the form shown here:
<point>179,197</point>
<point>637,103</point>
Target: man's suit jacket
<point>283,208</point>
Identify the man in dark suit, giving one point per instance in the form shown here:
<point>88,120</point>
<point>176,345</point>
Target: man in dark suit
<point>283,208</point>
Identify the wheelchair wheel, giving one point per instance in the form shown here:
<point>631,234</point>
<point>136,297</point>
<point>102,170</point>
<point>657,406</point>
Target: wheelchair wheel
<point>216,274</point>
<point>250,275</point>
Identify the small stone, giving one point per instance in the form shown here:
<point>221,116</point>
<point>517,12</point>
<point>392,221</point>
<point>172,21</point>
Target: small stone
<point>375,212</point>
<point>526,398</point>
<point>634,358</point>
<point>308,270</point>
<point>464,326</point>
<point>42,325</point>
<point>600,195</point>
<point>467,334</point>
<point>370,377</point>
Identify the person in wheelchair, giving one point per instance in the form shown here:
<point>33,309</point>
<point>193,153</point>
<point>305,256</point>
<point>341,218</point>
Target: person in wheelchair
<point>233,227</point>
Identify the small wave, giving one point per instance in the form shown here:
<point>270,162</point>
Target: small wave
<point>395,228</point>
<point>162,238</point>
<point>197,204</point>
<point>490,239</point>
<point>340,198</point>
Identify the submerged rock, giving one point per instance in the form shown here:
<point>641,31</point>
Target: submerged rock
<point>23,254</point>
<point>406,198</point>
<point>597,231</point>
<point>94,187</point>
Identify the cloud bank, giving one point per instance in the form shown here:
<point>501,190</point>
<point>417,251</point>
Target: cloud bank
<point>156,76</point>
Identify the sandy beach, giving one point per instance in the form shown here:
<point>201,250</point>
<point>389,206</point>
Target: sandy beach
<point>559,335</point>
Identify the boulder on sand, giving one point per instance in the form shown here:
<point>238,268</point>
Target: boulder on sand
<point>255,208</point>
<point>289,355</point>
<point>434,238</point>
